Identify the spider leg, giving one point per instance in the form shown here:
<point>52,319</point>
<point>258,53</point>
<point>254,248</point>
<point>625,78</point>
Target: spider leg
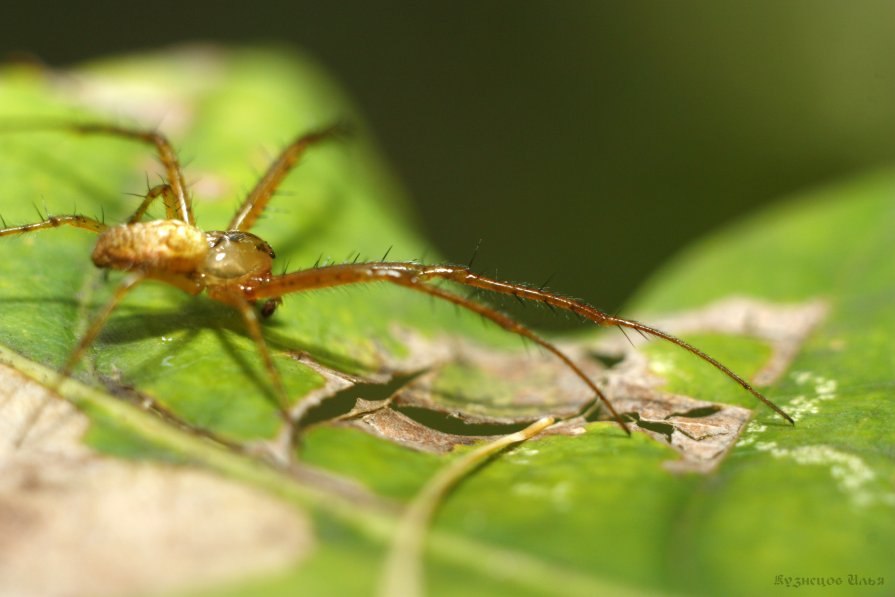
<point>180,205</point>
<point>462,275</point>
<point>251,322</point>
<point>360,273</point>
<point>96,325</point>
<point>162,190</point>
<point>254,205</point>
<point>77,221</point>
<point>513,326</point>
<point>402,272</point>
<point>643,328</point>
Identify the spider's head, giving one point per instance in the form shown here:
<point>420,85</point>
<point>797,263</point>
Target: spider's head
<point>235,254</point>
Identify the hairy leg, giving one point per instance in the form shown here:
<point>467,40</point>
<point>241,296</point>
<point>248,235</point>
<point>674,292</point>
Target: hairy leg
<point>341,275</point>
<point>254,327</point>
<point>254,205</point>
<point>179,205</point>
<point>77,221</point>
<point>513,326</point>
<point>407,273</point>
<point>161,190</point>
<point>96,325</point>
<point>98,322</point>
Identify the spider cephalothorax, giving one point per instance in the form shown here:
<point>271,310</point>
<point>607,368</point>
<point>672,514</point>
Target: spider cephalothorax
<point>235,256</point>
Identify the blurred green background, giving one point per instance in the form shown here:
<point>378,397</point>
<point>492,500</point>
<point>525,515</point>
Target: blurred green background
<point>587,139</point>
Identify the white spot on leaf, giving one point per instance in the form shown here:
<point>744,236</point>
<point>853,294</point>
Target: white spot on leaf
<point>853,476</point>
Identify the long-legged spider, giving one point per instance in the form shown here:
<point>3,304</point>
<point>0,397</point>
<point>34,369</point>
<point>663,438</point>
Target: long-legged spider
<point>234,266</point>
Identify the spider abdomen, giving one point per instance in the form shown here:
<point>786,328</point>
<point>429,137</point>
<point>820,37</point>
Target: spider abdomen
<point>162,246</point>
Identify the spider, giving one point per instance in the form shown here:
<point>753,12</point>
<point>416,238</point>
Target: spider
<point>233,266</point>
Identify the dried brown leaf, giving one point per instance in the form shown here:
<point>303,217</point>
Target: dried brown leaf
<point>73,522</point>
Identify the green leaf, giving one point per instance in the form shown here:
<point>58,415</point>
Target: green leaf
<point>583,512</point>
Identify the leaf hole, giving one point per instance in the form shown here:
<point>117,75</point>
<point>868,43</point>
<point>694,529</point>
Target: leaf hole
<point>695,413</point>
<point>448,423</point>
<point>608,360</point>
<point>665,429</point>
<point>342,402</point>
